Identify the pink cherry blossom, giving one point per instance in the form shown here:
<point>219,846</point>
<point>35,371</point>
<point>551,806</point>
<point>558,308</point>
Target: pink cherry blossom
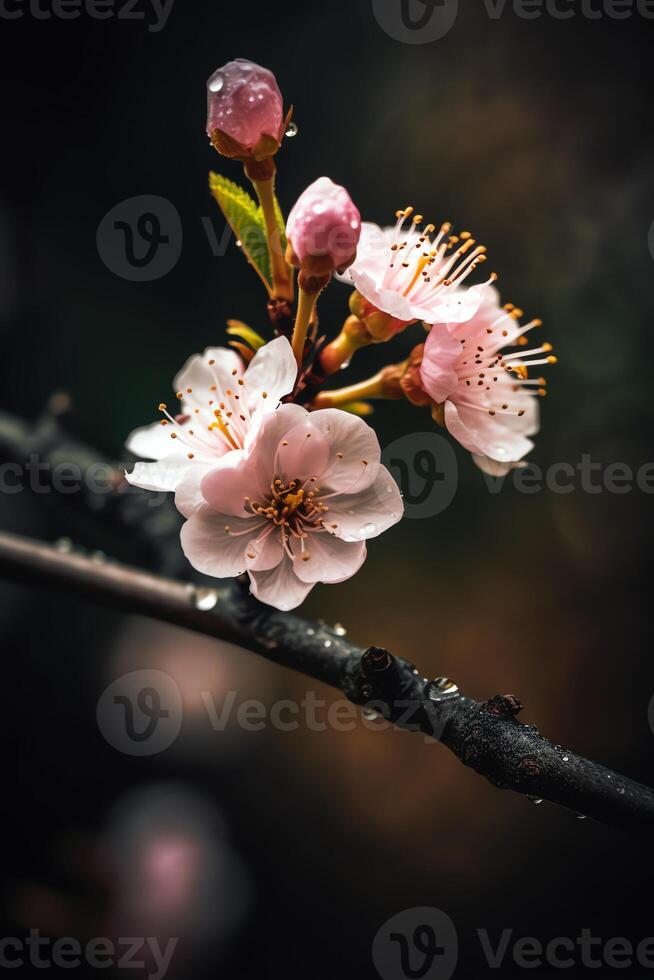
<point>244,102</point>
<point>293,509</point>
<point>409,275</point>
<point>324,222</point>
<point>221,407</point>
<point>488,402</point>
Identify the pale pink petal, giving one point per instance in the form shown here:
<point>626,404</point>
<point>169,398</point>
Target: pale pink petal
<point>188,496</point>
<point>387,300</point>
<point>363,515</point>
<point>162,475</point>
<point>302,453</point>
<point>280,587</point>
<point>457,307</point>
<point>355,454</point>
<point>438,369</point>
<point>198,375</point>
<point>263,447</point>
<point>214,550</point>
<point>485,435</point>
<point>226,486</point>
<point>328,559</point>
<point>150,441</point>
<point>265,551</point>
<point>272,370</point>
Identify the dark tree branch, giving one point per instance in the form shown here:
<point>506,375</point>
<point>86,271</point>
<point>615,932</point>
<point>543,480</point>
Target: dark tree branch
<point>485,736</point>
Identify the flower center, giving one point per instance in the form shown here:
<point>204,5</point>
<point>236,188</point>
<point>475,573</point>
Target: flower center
<point>294,509</point>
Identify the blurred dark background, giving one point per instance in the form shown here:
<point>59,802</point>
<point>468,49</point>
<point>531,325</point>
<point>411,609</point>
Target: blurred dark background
<point>281,854</point>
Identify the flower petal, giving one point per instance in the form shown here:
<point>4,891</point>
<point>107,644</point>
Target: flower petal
<point>330,559</point>
<point>273,369</point>
<point>363,515</point>
<point>163,474</point>
<point>214,550</point>
<point>265,552</point>
<point>198,374</point>
<point>438,369</point>
<point>355,453</point>
<point>500,437</point>
<point>150,441</point>
<point>302,453</point>
<point>280,587</point>
<point>225,487</point>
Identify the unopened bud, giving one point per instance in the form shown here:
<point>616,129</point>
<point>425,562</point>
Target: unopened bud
<point>245,111</point>
<point>323,229</point>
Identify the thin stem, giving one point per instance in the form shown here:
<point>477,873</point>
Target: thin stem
<point>281,274</point>
<point>305,305</point>
<point>353,336</point>
<point>374,387</point>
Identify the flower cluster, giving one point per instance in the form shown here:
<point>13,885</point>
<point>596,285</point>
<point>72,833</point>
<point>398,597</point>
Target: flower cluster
<point>276,474</point>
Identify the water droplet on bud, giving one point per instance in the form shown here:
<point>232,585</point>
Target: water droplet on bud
<point>291,129</point>
<point>216,82</point>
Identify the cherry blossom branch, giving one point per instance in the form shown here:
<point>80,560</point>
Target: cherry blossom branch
<point>485,736</point>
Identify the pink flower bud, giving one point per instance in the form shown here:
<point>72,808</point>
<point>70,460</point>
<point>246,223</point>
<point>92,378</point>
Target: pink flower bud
<point>245,105</point>
<point>323,228</point>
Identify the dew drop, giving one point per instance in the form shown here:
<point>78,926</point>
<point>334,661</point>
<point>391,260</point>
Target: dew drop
<point>369,714</point>
<point>239,243</point>
<point>339,629</point>
<point>327,643</point>
<point>98,558</point>
<point>205,599</point>
<point>566,758</point>
<point>310,632</point>
<point>536,800</point>
<point>441,689</point>
<point>291,129</point>
<point>64,546</point>
<point>580,816</point>
<point>216,82</point>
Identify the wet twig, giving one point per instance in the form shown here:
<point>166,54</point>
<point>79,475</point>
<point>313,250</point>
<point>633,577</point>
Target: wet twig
<point>485,736</point>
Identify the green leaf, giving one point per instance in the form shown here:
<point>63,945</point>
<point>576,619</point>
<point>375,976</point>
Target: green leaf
<point>246,221</point>
<point>281,223</point>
